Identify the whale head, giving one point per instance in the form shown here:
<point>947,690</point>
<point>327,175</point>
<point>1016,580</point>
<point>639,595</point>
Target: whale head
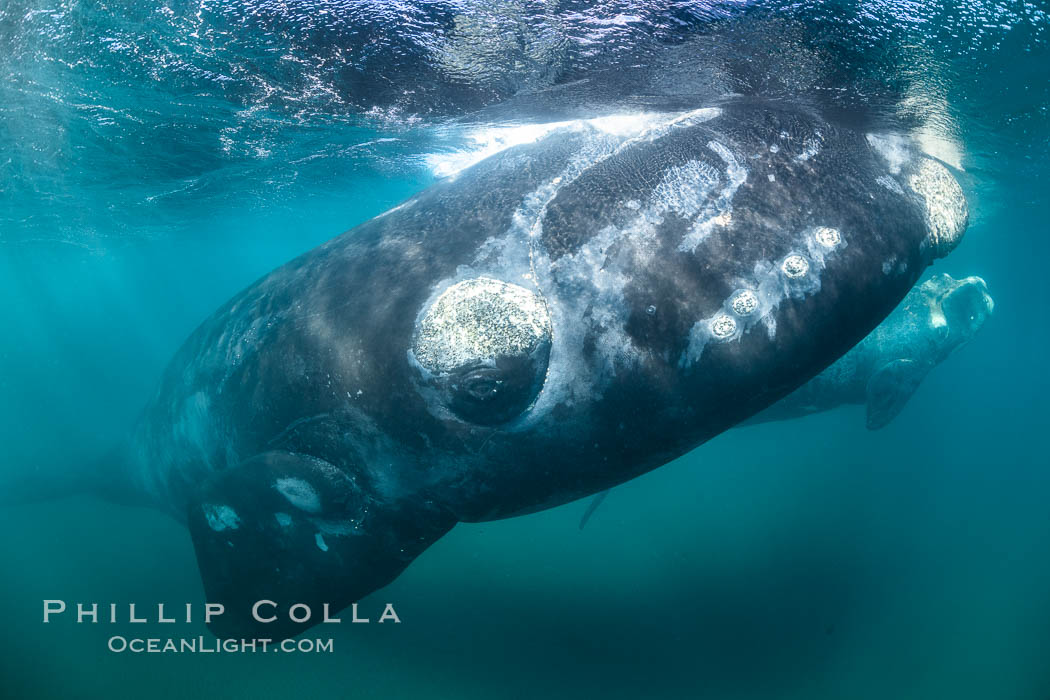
<point>936,319</point>
<point>958,308</point>
<point>482,347</point>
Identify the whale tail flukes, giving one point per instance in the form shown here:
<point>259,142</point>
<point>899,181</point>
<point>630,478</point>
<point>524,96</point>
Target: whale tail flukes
<point>293,529</point>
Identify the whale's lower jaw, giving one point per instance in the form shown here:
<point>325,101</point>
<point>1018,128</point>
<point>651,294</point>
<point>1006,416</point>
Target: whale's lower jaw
<point>293,529</point>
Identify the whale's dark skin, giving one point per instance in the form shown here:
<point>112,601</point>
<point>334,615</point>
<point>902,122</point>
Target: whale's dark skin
<point>312,452</point>
<point>882,372</point>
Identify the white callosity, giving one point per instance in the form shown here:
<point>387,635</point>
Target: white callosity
<point>795,266</point>
<point>478,320</point>
<point>895,150</point>
<point>221,517</point>
<point>720,211</point>
<point>795,275</point>
<point>744,302</point>
<point>945,205</point>
<point>943,200</point>
<point>827,237</point>
<point>593,283</point>
<point>723,326</point>
<point>812,147</point>
<point>299,493</point>
<point>683,189</point>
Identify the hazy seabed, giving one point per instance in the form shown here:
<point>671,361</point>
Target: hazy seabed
<point>155,158</point>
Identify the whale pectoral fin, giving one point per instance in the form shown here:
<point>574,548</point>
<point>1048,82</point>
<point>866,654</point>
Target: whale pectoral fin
<point>593,506</point>
<point>890,388</point>
<point>290,529</point>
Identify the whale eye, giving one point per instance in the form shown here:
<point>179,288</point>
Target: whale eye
<point>482,386</point>
<point>484,346</point>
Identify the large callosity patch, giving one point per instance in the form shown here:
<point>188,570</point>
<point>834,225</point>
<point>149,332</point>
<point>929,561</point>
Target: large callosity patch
<point>477,320</point>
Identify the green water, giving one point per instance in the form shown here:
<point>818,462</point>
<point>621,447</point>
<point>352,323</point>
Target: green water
<point>810,559</point>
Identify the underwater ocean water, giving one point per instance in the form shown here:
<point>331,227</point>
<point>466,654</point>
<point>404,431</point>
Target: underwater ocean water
<point>157,157</point>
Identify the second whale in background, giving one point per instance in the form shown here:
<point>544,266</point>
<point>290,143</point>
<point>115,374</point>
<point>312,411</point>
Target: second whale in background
<point>883,371</point>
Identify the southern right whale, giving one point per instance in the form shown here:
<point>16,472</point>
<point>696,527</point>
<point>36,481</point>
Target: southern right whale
<point>553,321</point>
<point>882,371</point>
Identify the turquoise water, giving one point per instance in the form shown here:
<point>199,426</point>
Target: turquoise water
<point>155,159</point>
